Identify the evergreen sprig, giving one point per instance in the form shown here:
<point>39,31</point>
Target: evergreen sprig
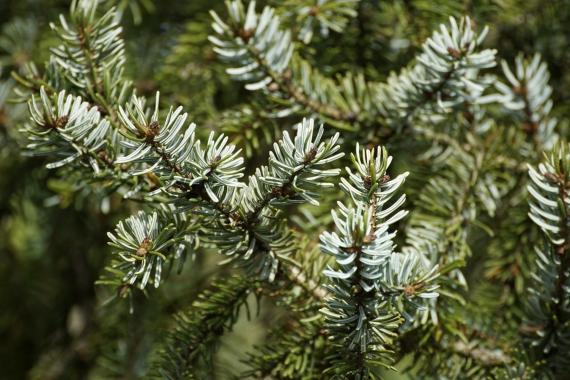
<point>139,241</point>
<point>360,315</point>
<point>293,175</point>
<point>92,55</point>
<point>527,96</point>
<point>171,151</point>
<point>548,312</point>
<point>66,126</point>
<point>257,44</point>
<point>445,74</point>
<point>287,79</point>
<point>189,351</point>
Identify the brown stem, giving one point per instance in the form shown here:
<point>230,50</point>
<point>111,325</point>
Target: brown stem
<point>285,84</point>
<point>485,356</point>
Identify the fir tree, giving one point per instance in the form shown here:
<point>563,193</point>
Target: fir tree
<point>371,200</point>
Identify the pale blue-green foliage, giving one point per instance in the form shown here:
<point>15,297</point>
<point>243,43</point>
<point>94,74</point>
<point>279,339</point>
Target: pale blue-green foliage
<point>199,178</point>
<point>294,84</point>
<point>367,181</point>
<point>245,221</point>
<point>374,293</point>
<point>92,53</point>
<point>262,49</point>
<point>436,221</point>
<point>359,248</point>
<point>294,167</point>
<point>367,223</point>
<point>548,209</point>
<point>140,241</point>
<point>320,16</point>
<point>144,242</point>
<point>542,295</point>
<point>465,189</point>
<point>368,330</point>
<point>370,278</point>
<point>293,175</point>
<point>527,95</point>
<point>446,74</point>
<point>170,149</point>
<point>548,306</point>
<point>549,301</point>
<point>410,283</point>
<point>449,64</point>
<point>369,219</point>
<point>66,126</point>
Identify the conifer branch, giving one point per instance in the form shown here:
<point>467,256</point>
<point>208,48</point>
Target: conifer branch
<point>444,76</point>
<point>359,315</point>
<point>378,305</point>
<point>548,310</point>
<point>70,128</point>
<point>263,49</point>
<point>300,353</point>
<point>91,56</point>
<point>190,346</point>
<point>528,98</point>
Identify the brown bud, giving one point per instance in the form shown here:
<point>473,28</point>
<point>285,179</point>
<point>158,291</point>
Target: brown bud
<point>245,34</point>
<point>367,182</point>
<point>520,90</point>
<point>152,131</point>
<point>454,52</point>
<point>310,156</point>
<point>144,247</point>
<point>469,117</point>
<point>287,75</point>
<point>409,290</point>
<point>60,122</point>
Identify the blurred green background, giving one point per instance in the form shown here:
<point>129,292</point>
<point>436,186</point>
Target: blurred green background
<point>54,322</point>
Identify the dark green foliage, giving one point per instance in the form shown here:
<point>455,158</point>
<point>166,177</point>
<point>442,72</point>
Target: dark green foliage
<point>188,352</point>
